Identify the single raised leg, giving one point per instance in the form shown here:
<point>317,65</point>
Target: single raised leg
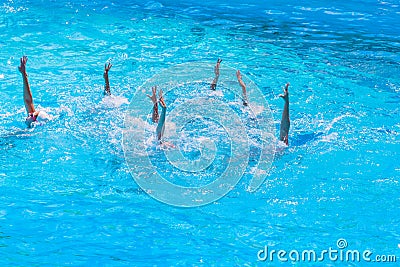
<point>241,83</point>
<point>107,90</point>
<point>285,122</point>
<point>216,72</point>
<point>161,122</point>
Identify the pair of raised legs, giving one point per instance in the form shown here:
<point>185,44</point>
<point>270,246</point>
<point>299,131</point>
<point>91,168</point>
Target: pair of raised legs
<point>285,121</point>
<point>160,120</point>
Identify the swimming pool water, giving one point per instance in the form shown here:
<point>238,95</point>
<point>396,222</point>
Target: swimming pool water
<point>67,196</point>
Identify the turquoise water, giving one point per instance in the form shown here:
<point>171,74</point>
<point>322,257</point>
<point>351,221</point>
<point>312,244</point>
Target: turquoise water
<point>67,196</point>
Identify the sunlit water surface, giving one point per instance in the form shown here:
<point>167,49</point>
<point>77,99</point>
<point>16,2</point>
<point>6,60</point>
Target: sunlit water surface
<point>67,197</point>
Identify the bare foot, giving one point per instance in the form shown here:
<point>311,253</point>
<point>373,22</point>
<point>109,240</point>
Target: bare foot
<point>153,97</point>
<point>285,94</point>
<point>239,75</point>
<point>107,67</point>
<point>22,68</point>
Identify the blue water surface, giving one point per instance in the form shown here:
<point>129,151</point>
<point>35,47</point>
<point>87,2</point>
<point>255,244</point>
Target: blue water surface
<point>67,196</point>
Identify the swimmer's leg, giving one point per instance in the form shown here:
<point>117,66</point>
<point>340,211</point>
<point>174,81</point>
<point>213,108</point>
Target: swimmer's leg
<point>28,99</point>
<point>216,71</point>
<point>155,117</point>
<point>107,90</point>
<point>285,122</point>
<point>161,122</point>
<point>153,98</point>
<point>244,92</point>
